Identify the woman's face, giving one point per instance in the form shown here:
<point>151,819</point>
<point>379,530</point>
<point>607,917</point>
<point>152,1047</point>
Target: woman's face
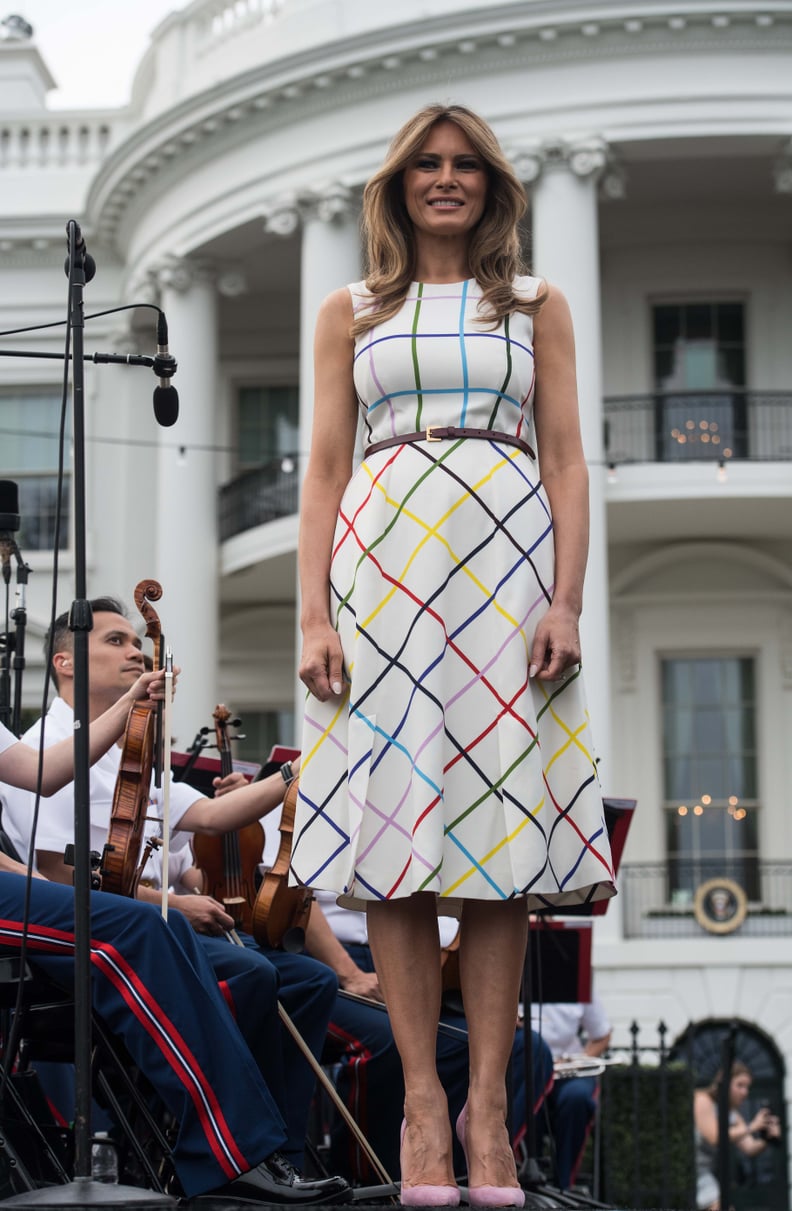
<point>739,1089</point>
<point>445,183</point>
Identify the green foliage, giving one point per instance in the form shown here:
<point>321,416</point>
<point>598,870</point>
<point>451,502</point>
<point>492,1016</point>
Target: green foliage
<point>647,1137</point>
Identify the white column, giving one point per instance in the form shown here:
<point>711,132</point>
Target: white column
<point>187,543</point>
<point>566,252</point>
<point>329,258</point>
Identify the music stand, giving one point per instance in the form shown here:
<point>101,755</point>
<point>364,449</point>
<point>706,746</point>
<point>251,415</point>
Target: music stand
<point>558,962</point>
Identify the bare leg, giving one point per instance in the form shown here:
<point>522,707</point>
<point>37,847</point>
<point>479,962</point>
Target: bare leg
<point>405,944</point>
<point>492,949</point>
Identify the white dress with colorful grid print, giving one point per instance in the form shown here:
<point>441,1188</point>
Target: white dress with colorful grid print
<point>443,768</point>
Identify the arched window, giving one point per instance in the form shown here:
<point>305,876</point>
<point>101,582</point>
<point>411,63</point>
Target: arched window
<point>760,1182</point>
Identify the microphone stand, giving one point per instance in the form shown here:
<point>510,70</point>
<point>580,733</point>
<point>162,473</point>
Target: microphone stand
<point>12,716</point>
<point>82,1191</point>
<point>540,1194</point>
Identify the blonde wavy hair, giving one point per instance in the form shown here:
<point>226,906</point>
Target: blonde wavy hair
<point>494,253</point>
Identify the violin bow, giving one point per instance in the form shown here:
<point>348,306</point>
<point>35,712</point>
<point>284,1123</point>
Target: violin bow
<point>327,1085</point>
<point>166,765</point>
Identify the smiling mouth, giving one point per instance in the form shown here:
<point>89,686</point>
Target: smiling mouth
<point>446,203</point>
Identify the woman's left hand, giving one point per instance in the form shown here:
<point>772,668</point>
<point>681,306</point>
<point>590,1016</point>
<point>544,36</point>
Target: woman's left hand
<point>556,645</point>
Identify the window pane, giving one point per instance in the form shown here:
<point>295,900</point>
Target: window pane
<point>29,441</point>
<point>729,321</point>
<point>666,325</point>
<point>698,321</point>
<point>268,420</point>
<point>699,367</point>
<point>709,761</point>
<point>261,730</point>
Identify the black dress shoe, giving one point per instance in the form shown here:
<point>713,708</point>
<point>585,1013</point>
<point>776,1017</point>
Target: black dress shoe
<point>276,1180</point>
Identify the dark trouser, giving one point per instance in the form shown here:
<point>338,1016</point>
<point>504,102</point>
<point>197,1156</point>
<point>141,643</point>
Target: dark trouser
<point>371,1084</point>
<point>571,1104</point>
<point>255,978</point>
<point>153,987</point>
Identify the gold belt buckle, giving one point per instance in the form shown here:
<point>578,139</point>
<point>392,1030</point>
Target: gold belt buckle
<point>430,437</point>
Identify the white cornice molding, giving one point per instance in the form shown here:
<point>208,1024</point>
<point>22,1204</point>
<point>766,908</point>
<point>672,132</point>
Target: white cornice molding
<point>499,39</point>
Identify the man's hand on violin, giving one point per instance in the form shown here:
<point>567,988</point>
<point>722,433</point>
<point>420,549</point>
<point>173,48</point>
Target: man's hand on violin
<point>151,685</point>
<point>231,782</point>
<point>206,915</point>
<point>362,984</point>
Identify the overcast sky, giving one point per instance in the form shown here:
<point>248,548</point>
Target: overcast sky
<point>92,47</point>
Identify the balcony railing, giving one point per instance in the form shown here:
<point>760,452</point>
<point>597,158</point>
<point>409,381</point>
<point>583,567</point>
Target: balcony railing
<point>694,426</point>
<point>653,909</point>
<point>258,496</point>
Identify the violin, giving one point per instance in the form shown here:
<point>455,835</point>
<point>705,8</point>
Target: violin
<point>120,868</point>
<point>281,912</point>
<point>229,863</point>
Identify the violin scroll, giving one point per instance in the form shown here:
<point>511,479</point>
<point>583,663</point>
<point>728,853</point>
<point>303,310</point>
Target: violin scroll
<point>139,754</point>
<point>281,912</point>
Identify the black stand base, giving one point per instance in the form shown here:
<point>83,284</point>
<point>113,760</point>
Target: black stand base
<point>84,1192</point>
<point>543,1196</point>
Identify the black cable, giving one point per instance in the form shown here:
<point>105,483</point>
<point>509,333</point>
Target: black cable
<point>13,1034</point>
<point>95,316</point>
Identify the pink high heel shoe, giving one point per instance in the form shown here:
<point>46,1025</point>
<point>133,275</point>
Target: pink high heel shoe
<point>487,1196</point>
<point>427,1196</point>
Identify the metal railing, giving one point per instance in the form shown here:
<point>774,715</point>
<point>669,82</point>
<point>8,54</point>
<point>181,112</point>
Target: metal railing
<point>695,426</point>
<point>258,496</point>
<point>658,898</point>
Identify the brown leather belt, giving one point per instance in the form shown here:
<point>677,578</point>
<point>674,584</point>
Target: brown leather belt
<point>437,433</point>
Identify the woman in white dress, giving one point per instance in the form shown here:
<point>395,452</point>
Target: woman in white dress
<point>446,755</point>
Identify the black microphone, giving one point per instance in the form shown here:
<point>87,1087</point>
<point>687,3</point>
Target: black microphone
<point>166,397</point>
<point>9,522</point>
<point>80,254</point>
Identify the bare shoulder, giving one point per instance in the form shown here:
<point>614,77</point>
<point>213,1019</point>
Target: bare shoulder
<point>336,308</point>
<point>554,313</point>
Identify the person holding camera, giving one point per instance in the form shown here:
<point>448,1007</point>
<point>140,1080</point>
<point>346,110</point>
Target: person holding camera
<point>750,1137</point>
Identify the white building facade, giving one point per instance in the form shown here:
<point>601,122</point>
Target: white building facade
<point>655,142</point>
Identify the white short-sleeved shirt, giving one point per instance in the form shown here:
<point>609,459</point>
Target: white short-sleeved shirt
<point>560,1024</point>
<point>56,812</point>
<point>350,926</point>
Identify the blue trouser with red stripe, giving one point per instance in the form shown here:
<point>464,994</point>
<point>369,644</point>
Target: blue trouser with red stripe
<point>153,987</point>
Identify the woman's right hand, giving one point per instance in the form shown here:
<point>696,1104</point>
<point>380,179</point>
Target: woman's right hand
<point>322,662</point>
<point>765,1124</point>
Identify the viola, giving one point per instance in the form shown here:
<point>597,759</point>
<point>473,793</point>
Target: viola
<point>281,912</point>
<point>120,866</point>
<point>229,863</point>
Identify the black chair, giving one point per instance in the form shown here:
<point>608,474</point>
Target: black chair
<point>38,1150</point>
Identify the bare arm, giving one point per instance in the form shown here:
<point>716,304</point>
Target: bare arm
<point>232,810</point>
<point>328,472</point>
<point>10,864</point>
<point>565,478</point>
<point>598,1046</point>
<point>743,1134</point>
<point>19,763</point>
<point>325,946</point>
<point>705,1117</point>
<point>52,867</point>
